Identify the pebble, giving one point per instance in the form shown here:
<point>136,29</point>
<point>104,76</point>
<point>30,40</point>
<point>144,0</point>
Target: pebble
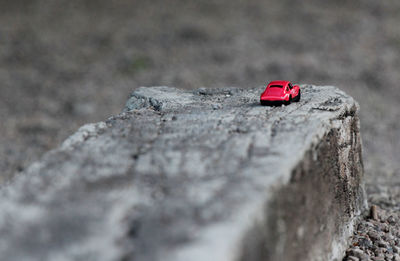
<point>385,227</point>
<point>356,252</point>
<point>376,239</point>
<point>391,220</point>
<point>389,237</point>
<point>365,243</point>
<point>373,235</point>
<point>382,244</point>
<point>374,212</point>
<point>378,252</point>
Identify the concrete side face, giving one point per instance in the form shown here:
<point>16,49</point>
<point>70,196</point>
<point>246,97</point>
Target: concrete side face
<point>202,175</point>
<point>312,216</point>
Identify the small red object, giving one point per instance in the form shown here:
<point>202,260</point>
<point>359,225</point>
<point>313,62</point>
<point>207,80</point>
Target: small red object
<point>280,92</point>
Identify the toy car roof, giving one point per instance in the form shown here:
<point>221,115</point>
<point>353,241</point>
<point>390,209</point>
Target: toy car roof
<point>283,83</point>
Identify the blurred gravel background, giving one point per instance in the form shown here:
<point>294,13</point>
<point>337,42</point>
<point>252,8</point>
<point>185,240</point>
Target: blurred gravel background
<point>65,63</point>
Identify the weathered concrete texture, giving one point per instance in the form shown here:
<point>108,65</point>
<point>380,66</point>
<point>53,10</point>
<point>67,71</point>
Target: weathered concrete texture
<point>194,175</point>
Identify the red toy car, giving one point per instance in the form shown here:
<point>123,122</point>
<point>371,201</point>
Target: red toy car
<point>280,92</point>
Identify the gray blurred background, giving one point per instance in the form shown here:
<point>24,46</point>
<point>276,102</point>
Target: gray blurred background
<point>64,63</point>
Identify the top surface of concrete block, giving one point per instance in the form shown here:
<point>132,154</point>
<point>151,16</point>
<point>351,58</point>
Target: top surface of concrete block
<point>177,176</point>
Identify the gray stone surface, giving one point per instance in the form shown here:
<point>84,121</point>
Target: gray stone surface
<point>194,175</point>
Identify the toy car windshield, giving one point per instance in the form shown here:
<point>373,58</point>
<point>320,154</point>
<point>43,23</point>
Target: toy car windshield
<point>275,86</point>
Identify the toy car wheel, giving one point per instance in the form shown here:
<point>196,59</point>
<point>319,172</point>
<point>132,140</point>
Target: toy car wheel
<point>298,96</point>
<point>288,101</point>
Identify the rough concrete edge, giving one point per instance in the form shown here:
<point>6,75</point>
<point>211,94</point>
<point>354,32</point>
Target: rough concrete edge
<point>341,240</point>
<point>340,244</point>
<point>85,132</point>
<point>140,98</point>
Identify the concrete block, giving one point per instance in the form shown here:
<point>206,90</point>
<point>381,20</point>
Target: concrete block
<point>191,176</point>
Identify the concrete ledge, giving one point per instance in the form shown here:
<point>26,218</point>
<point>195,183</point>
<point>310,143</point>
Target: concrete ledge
<point>195,175</point>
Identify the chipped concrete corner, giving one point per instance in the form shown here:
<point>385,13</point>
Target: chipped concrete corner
<point>195,175</point>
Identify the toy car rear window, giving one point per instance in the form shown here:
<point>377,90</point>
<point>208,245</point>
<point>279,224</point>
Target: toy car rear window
<point>275,86</point>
